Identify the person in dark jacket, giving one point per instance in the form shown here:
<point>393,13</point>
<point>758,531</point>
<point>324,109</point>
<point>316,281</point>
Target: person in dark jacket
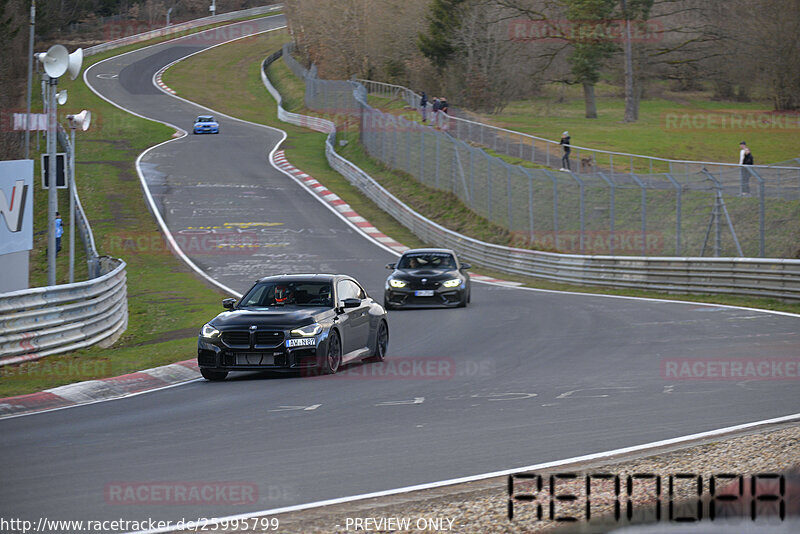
<point>423,103</point>
<point>565,140</point>
<point>435,109</point>
<point>745,158</point>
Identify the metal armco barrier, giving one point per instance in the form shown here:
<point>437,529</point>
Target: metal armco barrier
<point>776,278</point>
<point>42,321</point>
<point>176,29</point>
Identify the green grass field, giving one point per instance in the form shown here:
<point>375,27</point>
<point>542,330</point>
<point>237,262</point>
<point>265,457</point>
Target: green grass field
<point>686,126</point>
<point>167,303</point>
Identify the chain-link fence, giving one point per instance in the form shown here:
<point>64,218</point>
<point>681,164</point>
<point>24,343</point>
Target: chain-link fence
<point>695,210</point>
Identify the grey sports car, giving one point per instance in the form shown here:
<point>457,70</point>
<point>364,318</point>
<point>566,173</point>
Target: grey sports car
<point>309,322</point>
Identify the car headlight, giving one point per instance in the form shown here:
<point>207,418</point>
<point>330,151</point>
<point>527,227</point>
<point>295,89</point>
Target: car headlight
<point>394,282</point>
<point>307,331</point>
<point>455,282</point>
<point>209,332</point>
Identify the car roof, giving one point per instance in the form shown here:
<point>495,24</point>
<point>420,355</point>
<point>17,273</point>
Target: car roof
<point>429,250</point>
<point>320,277</point>
<point>205,117</point>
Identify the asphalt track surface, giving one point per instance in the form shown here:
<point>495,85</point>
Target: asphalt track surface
<point>518,378</point>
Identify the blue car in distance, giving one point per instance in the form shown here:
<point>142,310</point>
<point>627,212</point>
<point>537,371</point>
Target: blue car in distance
<point>205,124</point>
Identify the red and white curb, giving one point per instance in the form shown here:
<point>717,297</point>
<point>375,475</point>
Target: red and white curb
<point>161,83</point>
<point>100,390</point>
<point>348,213</point>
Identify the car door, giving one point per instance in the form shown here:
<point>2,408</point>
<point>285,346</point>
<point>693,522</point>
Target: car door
<point>356,320</point>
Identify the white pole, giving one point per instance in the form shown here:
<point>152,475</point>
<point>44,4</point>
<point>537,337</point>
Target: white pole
<point>72,205</point>
<point>52,197</point>
<point>30,81</point>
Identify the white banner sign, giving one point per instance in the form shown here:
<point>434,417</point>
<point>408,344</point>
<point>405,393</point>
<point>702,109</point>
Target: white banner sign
<point>16,206</point>
<point>38,122</point>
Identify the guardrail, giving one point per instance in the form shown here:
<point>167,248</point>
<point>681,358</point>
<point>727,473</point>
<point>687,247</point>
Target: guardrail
<point>181,27</point>
<point>776,278</point>
<point>50,320</point>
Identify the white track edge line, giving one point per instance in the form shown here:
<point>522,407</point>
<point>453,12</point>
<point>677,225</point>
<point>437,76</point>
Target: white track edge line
<point>97,401</point>
<point>483,476</point>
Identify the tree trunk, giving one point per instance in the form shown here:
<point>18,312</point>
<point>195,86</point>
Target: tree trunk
<point>631,102</point>
<point>591,105</point>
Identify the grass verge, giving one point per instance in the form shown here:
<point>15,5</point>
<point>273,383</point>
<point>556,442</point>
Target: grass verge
<point>246,98</point>
<point>167,303</point>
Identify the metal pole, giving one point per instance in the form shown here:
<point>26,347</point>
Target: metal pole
<point>437,161</point>
<point>52,196</point>
<point>717,235</point>
<point>530,203</point>
<point>72,206</point>
<point>30,82</point>
<point>489,185</point>
<point>510,201</point>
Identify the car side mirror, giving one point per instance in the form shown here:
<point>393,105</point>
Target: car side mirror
<point>351,303</point>
<point>391,266</point>
<point>466,266</point>
<point>228,303</point>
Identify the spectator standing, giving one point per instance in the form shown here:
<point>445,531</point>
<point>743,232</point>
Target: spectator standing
<point>745,158</point>
<point>565,141</point>
<point>59,232</point>
<point>423,103</point>
<point>435,109</point>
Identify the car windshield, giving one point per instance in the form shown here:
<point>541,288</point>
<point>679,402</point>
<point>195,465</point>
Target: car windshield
<point>427,260</point>
<point>289,293</point>
<point>205,119</point>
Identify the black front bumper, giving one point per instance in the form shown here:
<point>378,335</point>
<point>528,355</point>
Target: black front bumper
<point>212,356</point>
<point>399,298</point>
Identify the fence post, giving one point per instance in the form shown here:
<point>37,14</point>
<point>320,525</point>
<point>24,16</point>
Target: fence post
<point>678,192</point>
<point>530,203</point>
<point>471,177</point>
<point>408,146</point>
<point>582,218</point>
<point>644,213</point>
<point>761,232</point>
<point>489,184</point>
<point>422,156</point>
<point>510,197</point>
<point>437,161</point>
<point>611,215</point>
<point>555,205</point>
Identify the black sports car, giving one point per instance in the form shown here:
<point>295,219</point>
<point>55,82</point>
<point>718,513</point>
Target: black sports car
<point>427,277</point>
<point>312,322</point>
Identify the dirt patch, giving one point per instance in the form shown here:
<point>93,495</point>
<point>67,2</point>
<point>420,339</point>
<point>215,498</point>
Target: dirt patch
<point>124,167</point>
<point>171,335</point>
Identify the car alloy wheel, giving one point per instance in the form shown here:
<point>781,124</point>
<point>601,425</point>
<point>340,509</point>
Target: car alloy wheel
<point>333,356</point>
<point>381,342</point>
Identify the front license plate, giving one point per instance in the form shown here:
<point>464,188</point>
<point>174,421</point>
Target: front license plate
<point>255,358</point>
<point>301,342</point>
<point>423,293</point>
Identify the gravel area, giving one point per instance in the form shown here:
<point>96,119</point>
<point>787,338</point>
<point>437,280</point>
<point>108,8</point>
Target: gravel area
<point>482,507</point>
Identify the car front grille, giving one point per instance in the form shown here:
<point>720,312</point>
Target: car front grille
<point>236,339</point>
<point>417,284</point>
<point>266,339</point>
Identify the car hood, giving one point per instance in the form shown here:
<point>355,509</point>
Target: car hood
<point>276,317</point>
<point>433,275</point>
